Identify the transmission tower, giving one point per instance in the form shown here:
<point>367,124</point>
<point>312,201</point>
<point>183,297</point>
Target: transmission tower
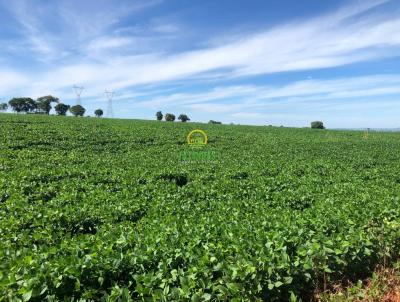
<point>78,91</point>
<point>109,96</point>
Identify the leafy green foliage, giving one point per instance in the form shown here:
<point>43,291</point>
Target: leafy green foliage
<point>183,118</point>
<point>169,117</point>
<point>98,112</point>
<point>3,106</point>
<point>101,209</point>
<point>159,116</point>
<point>22,104</point>
<point>317,125</point>
<point>43,104</point>
<point>61,109</point>
<point>77,110</point>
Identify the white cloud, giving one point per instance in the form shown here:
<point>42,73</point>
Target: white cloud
<point>107,43</point>
<point>91,18</point>
<point>293,104</point>
<point>11,81</point>
<point>99,53</point>
<point>51,28</point>
<point>166,28</point>
<point>297,46</point>
<point>253,96</point>
<point>247,115</point>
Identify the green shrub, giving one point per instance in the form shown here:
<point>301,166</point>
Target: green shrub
<point>317,125</point>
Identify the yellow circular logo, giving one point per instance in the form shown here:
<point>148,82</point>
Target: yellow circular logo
<point>197,138</point>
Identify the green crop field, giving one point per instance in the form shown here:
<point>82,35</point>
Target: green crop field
<point>106,210</point>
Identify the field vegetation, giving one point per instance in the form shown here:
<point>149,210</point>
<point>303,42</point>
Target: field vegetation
<point>104,210</point>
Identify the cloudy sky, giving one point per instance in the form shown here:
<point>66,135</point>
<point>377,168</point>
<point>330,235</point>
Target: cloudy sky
<point>261,62</point>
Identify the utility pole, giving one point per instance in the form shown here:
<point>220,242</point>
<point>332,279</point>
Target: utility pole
<point>109,96</point>
<point>78,91</point>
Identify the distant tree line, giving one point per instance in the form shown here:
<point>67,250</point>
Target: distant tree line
<point>42,105</point>
<point>169,117</point>
<point>214,122</point>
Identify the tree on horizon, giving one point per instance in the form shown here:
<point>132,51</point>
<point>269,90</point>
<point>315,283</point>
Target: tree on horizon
<point>43,104</point>
<point>169,117</point>
<point>98,112</point>
<point>77,110</point>
<point>183,118</point>
<point>159,116</point>
<point>61,109</point>
<point>22,104</point>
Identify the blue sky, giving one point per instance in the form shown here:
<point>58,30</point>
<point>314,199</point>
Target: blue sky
<point>244,61</point>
